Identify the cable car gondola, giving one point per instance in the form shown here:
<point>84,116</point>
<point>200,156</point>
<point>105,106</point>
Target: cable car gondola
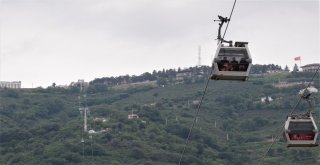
<point>301,131</point>
<point>232,62</point>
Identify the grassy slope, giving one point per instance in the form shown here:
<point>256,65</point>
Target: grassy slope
<point>33,130</point>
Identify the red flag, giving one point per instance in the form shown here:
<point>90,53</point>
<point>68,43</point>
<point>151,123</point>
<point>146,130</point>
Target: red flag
<point>297,58</point>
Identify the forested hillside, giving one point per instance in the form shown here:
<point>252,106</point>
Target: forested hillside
<point>44,126</point>
<point>170,75</point>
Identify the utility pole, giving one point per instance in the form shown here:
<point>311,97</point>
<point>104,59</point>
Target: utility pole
<point>166,120</point>
<point>227,136</point>
<point>84,110</point>
<point>197,118</point>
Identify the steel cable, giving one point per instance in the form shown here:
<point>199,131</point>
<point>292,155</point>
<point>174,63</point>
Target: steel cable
<point>289,114</point>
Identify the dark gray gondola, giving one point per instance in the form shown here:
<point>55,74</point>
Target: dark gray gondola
<point>232,62</point>
<point>301,131</point>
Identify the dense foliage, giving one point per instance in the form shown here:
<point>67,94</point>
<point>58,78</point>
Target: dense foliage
<point>171,74</point>
<point>44,126</point>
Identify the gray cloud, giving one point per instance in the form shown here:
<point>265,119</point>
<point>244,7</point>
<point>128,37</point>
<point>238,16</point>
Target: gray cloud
<point>86,39</point>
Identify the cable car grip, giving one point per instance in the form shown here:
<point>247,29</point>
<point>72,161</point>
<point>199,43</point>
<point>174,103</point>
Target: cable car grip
<point>222,20</point>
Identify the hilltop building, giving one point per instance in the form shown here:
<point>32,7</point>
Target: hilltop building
<point>188,74</point>
<point>80,82</point>
<point>285,84</point>
<point>180,76</point>
<point>310,67</point>
<point>133,116</point>
<point>13,84</point>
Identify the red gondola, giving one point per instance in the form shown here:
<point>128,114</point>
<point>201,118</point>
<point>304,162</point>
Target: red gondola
<point>301,131</point>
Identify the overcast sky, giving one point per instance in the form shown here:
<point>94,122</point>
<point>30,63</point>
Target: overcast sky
<point>46,41</point>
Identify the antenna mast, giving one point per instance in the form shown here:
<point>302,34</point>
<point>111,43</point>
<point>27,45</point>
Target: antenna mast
<point>199,56</point>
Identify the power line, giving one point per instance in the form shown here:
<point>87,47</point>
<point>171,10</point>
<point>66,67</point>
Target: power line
<point>92,157</point>
<point>289,114</point>
<point>83,108</point>
<point>82,131</point>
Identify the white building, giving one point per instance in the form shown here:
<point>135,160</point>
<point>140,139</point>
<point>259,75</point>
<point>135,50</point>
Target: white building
<point>133,116</point>
<point>180,76</point>
<point>80,82</point>
<point>310,67</point>
<point>266,99</point>
<point>101,119</point>
<point>13,84</point>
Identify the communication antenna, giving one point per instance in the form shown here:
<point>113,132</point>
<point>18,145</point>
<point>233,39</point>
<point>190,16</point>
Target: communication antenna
<point>1,66</point>
<point>199,56</point>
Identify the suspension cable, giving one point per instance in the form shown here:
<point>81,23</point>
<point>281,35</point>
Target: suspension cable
<point>225,31</point>
<point>278,132</point>
<point>195,118</point>
<point>203,95</point>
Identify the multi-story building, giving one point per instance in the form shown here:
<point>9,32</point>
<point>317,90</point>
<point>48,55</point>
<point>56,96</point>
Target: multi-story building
<point>80,82</point>
<point>7,84</point>
<point>310,67</point>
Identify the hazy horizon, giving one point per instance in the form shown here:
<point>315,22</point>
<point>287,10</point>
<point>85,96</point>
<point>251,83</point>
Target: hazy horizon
<point>61,41</point>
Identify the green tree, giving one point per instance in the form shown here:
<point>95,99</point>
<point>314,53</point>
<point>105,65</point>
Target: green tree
<point>286,68</point>
<point>96,88</point>
<point>295,68</point>
<point>137,153</point>
<point>10,93</point>
<point>55,106</point>
<point>161,81</point>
